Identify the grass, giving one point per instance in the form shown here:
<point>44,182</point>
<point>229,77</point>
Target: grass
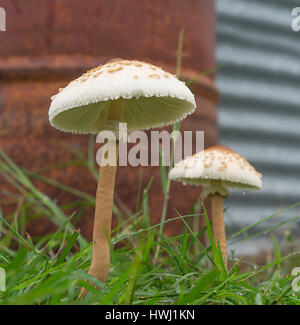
<point>51,270</point>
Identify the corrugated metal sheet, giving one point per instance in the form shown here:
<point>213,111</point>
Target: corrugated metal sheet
<point>259,111</point>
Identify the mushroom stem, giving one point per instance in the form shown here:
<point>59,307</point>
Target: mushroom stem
<point>218,224</point>
<point>104,203</point>
<point>102,221</point>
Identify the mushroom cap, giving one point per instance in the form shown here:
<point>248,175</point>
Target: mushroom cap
<point>217,164</point>
<point>152,98</point>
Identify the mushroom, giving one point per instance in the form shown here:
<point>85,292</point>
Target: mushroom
<point>133,92</point>
<point>217,169</point>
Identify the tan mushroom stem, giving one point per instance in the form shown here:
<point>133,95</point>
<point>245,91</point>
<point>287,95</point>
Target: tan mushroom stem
<point>217,192</point>
<point>218,224</point>
<point>104,204</point>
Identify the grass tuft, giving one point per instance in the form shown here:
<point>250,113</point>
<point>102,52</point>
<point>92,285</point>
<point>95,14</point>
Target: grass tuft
<point>51,270</point>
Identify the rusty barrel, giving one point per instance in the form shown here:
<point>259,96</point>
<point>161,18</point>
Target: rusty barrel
<point>47,44</point>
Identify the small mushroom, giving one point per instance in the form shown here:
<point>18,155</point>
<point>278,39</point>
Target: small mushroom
<point>118,91</point>
<point>217,169</point>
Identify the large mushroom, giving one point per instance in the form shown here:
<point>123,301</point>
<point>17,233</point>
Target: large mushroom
<point>217,169</point>
<point>133,92</point>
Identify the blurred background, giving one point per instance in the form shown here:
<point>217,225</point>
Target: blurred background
<point>247,99</point>
<point>259,113</point>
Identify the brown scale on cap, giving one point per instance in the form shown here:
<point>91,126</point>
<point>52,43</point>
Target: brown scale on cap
<point>97,74</point>
<point>125,63</point>
<point>208,164</point>
<point>115,70</point>
<point>223,165</point>
<point>115,65</point>
<point>229,157</point>
<point>95,69</point>
<point>243,163</point>
<point>242,166</point>
<point>91,72</point>
<point>154,75</point>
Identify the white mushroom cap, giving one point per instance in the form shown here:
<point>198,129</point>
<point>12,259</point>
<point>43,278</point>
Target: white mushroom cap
<point>152,96</point>
<point>217,167</point>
